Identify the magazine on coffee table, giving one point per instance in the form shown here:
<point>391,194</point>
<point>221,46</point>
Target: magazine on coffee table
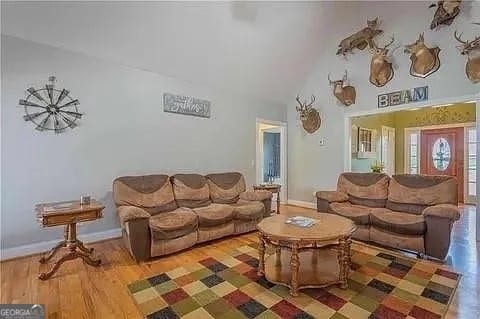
<point>301,221</point>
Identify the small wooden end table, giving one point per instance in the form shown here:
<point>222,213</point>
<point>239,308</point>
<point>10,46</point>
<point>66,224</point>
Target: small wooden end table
<point>274,188</point>
<point>320,253</point>
<point>68,213</point>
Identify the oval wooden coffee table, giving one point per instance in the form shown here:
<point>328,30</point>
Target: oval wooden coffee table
<point>306,257</point>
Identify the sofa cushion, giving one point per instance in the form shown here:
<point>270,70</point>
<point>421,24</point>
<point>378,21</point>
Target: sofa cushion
<point>416,209</point>
<point>248,210</point>
<point>174,224</point>
<point>225,188</point>
<point>367,189</point>
<point>214,215</point>
<point>423,190</point>
<point>398,222</point>
<point>191,190</point>
<point>360,215</point>
<point>152,193</point>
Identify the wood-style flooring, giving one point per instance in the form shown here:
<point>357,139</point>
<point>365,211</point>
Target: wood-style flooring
<point>81,291</point>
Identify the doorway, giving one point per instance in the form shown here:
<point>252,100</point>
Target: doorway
<point>443,154</point>
<point>271,161</point>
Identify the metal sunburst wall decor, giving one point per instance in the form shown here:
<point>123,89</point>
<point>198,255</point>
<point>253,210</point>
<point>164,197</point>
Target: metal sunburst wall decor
<point>50,108</point>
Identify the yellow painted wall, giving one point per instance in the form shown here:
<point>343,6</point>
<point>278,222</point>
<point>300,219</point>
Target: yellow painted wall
<point>457,113</point>
<point>373,122</point>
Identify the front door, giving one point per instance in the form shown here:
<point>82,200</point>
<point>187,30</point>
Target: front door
<point>442,153</point>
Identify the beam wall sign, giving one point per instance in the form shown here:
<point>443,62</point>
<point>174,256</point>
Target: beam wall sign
<point>186,105</point>
<point>403,97</point>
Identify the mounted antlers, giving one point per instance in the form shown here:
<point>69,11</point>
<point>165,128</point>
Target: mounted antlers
<point>345,94</point>
<point>472,50</point>
<point>308,115</point>
<point>446,12</point>
<point>425,61</point>
<point>381,70</point>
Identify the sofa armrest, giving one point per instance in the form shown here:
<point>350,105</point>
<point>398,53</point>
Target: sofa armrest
<point>135,231</point>
<point>439,220</point>
<point>129,213</point>
<point>263,196</point>
<point>258,195</point>
<point>332,196</point>
<point>443,211</point>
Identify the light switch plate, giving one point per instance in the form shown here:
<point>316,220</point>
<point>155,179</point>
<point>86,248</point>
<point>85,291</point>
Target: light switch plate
<point>322,142</point>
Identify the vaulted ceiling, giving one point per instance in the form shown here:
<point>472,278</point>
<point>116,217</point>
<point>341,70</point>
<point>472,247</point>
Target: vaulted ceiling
<point>261,49</point>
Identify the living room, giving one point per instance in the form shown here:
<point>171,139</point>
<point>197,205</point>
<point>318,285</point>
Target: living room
<point>149,116</point>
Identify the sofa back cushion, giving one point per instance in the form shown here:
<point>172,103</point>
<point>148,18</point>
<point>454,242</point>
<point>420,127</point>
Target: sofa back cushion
<point>412,193</point>
<point>153,193</point>
<point>367,189</point>
<point>225,188</point>
<point>191,190</point>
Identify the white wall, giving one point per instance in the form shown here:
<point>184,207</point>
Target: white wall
<point>124,131</point>
<point>313,167</point>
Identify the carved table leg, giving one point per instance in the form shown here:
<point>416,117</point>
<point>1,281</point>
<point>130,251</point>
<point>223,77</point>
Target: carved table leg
<point>343,257</point>
<point>89,259</point>
<point>44,276</point>
<point>278,255</point>
<point>261,255</point>
<point>76,250</point>
<point>278,202</point>
<point>294,265</point>
<point>315,254</point>
<point>83,248</point>
<point>52,252</point>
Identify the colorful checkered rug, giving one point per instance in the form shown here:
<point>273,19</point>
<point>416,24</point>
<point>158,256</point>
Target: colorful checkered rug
<point>382,284</point>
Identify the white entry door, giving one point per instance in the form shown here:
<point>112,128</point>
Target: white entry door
<point>387,155</point>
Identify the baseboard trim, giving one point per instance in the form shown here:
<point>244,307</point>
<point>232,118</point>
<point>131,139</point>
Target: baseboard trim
<point>301,203</point>
<point>36,248</point>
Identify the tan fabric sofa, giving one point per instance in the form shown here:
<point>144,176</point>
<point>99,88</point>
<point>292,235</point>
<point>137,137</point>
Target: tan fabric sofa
<point>160,214</point>
<point>411,212</point>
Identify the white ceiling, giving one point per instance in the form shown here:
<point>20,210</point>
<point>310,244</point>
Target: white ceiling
<point>260,49</point>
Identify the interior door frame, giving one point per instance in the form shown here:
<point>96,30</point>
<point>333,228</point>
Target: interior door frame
<point>392,158</point>
<point>466,125</point>
<point>282,127</point>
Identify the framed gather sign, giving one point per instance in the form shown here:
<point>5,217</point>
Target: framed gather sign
<point>417,94</point>
<point>186,105</point>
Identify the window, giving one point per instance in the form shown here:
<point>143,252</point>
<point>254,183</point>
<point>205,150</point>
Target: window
<point>472,161</point>
<point>413,153</point>
<point>441,154</point>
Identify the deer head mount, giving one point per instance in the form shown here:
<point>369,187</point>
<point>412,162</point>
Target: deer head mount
<point>308,115</point>
<point>360,39</point>
<point>472,50</point>
<point>425,60</point>
<point>344,93</point>
<point>446,12</point>
<point>381,70</point>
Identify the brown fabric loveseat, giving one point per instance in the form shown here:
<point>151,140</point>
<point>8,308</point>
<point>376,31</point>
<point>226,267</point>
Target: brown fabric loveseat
<point>411,212</point>
<point>160,214</point>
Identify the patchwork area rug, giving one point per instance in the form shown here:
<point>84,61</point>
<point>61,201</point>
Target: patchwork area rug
<point>381,285</point>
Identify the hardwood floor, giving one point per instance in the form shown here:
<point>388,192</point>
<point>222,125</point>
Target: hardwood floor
<point>81,291</point>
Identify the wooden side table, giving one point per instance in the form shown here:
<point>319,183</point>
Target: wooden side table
<point>68,213</point>
<point>274,188</point>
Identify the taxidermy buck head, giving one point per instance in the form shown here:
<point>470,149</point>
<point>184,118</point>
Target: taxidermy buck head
<point>360,39</point>
<point>345,94</point>
<point>381,70</point>
<point>472,50</point>
<point>425,60</point>
<point>446,12</point>
<point>308,115</point>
